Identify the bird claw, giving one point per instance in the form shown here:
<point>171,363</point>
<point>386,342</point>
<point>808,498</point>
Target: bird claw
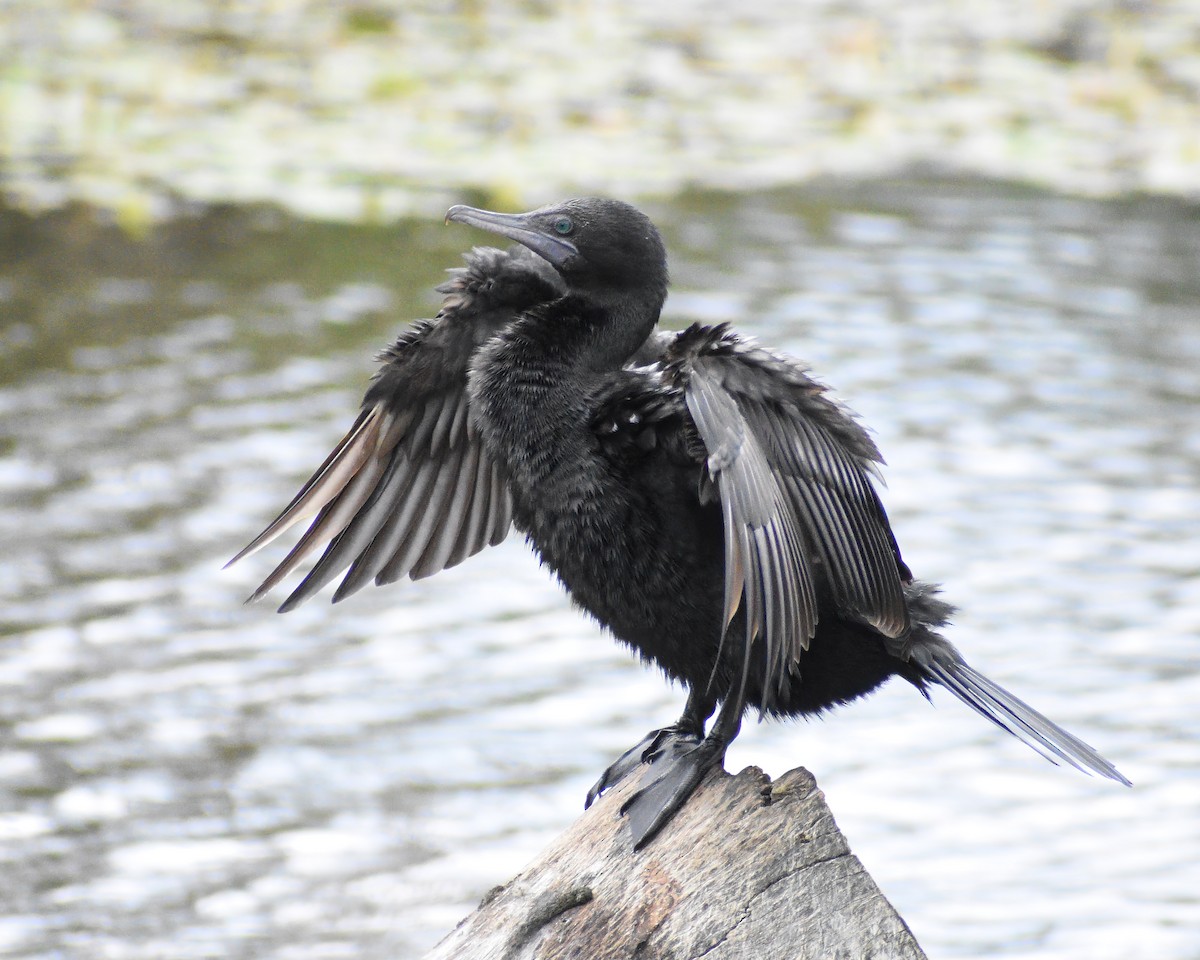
<point>650,749</point>
<point>653,806</point>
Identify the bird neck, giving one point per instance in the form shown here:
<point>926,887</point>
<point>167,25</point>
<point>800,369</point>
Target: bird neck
<point>599,332</point>
<point>530,386</point>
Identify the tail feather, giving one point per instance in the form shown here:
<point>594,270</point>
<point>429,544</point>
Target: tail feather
<point>942,664</point>
<point>938,661</point>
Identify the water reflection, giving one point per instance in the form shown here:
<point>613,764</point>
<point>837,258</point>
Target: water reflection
<point>181,775</point>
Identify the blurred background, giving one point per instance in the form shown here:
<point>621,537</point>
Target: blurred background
<point>977,222</point>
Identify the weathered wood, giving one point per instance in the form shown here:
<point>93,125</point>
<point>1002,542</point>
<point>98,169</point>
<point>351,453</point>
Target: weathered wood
<point>748,870</point>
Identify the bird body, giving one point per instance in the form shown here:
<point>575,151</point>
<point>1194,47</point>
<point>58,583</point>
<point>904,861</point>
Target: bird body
<point>702,497</point>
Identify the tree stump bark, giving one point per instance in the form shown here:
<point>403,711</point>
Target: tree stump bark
<point>748,870</point>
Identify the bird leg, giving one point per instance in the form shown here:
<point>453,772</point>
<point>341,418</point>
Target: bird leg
<point>657,745</point>
<point>679,772</point>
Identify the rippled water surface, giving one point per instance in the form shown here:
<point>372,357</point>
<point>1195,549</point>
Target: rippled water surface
<point>185,776</point>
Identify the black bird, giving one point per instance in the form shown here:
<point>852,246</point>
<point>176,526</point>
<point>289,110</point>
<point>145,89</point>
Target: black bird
<point>699,495</point>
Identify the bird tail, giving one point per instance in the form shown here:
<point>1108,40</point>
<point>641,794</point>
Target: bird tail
<point>941,663</point>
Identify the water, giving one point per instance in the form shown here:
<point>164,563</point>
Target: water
<point>185,776</point>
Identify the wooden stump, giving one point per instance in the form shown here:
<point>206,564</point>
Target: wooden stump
<point>748,870</point>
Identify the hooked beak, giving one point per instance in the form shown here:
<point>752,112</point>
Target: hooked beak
<point>524,228</point>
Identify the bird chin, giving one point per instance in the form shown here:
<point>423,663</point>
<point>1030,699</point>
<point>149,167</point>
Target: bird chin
<point>556,251</point>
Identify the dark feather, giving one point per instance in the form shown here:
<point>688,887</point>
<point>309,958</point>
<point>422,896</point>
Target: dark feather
<point>793,473</point>
<point>986,697</point>
<point>409,490</point>
<point>702,497</point>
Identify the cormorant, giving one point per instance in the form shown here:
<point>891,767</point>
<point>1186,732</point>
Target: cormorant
<point>700,495</point>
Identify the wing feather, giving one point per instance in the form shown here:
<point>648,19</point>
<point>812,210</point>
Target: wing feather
<point>329,524</point>
<point>499,516</point>
<point>330,477</point>
<point>385,527</point>
<point>473,537</point>
<point>801,516</point>
<point>410,489</point>
<point>456,531</point>
<point>342,549</point>
<point>766,568</point>
<point>422,546</point>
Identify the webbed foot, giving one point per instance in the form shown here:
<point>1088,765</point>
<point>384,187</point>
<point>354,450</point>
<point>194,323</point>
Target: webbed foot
<point>680,770</point>
<point>655,746</point>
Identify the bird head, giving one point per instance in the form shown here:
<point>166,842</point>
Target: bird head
<point>594,243</point>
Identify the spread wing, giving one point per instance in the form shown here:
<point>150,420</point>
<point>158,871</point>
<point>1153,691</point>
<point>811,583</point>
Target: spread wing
<point>804,528</point>
<point>410,490</point>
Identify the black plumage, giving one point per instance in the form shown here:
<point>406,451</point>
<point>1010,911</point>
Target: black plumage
<point>701,496</point>
<point>410,489</point>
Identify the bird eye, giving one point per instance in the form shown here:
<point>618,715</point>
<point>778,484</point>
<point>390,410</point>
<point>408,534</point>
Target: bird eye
<point>563,225</point>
